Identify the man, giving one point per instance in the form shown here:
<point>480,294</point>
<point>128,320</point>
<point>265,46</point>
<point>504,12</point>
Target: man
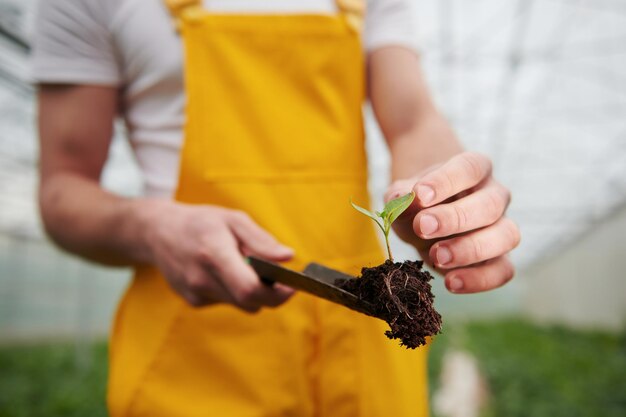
<point>271,152</point>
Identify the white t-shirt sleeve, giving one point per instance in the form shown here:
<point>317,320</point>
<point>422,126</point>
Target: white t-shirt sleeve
<point>390,22</point>
<point>72,44</point>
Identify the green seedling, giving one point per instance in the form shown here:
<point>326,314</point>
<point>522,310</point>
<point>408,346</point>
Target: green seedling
<point>392,210</point>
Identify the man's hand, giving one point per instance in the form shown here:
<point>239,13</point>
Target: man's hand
<point>457,223</point>
<point>457,220</point>
<point>201,249</point>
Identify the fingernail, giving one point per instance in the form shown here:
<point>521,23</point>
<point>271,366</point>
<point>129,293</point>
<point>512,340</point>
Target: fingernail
<point>455,284</point>
<point>392,196</point>
<point>428,224</point>
<point>425,193</point>
<point>443,255</point>
<point>286,250</point>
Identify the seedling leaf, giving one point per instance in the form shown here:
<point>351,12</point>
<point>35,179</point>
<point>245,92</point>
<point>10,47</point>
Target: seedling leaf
<point>396,207</point>
<point>368,213</point>
<point>390,213</point>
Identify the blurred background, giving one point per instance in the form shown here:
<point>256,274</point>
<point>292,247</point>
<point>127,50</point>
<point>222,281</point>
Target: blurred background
<point>539,85</point>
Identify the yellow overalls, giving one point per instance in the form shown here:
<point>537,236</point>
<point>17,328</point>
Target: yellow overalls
<point>274,128</point>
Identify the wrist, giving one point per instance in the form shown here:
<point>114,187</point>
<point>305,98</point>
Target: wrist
<point>146,214</point>
<point>430,142</point>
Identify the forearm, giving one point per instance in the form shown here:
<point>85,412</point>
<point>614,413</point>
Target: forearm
<point>457,218</point>
<point>95,224</point>
<point>430,141</point>
<point>418,136</point>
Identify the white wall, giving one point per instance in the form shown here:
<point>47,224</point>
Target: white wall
<point>585,284</point>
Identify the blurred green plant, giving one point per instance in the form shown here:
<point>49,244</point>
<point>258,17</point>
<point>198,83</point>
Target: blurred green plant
<point>58,380</point>
<point>542,371</point>
<point>531,370</point>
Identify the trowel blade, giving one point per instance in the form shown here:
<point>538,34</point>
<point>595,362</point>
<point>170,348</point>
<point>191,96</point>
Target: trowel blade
<point>318,285</point>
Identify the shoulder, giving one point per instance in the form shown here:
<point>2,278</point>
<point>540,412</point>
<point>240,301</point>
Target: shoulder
<point>72,41</point>
<point>390,22</point>
<point>76,12</point>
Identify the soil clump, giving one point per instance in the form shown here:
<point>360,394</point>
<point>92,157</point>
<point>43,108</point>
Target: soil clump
<point>402,296</point>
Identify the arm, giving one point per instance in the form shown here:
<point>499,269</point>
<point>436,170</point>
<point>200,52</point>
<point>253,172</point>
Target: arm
<point>76,127</point>
<point>457,220</point>
<point>416,133</point>
<point>199,249</point>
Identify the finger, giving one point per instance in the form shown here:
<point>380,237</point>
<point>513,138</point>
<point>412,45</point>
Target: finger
<point>399,188</point>
<point>245,287</point>
<point>482,245</point>
<point>460,173</point>
<point>404,186</point>
<point>483,277</point>
<point>479,209</point>
<point>203,286</point>
<point>284,293</point>
<point>254,240</point>
<point>198,300</point>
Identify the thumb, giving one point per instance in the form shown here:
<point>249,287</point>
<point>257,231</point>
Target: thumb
<point>254,240</point>
<point>399,188</point>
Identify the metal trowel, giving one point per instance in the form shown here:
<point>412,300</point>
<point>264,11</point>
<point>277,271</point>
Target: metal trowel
<point>316,279</point>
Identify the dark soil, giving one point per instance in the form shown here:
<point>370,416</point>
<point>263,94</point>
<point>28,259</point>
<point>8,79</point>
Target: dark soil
<point>402,296</point>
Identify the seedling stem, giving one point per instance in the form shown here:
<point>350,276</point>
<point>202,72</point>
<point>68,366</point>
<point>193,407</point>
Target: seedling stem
<point>392,210</point>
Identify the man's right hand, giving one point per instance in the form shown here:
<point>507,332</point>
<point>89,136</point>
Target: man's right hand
<point>200,250</point>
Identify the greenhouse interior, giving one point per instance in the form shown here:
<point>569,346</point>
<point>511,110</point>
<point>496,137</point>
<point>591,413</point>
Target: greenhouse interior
<point>537,85</point>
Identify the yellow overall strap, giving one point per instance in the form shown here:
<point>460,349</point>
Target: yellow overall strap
<point>352,10</point>
<point>183,8</point>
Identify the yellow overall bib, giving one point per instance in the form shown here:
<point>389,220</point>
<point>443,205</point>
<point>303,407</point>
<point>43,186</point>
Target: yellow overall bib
<point>274,128</point>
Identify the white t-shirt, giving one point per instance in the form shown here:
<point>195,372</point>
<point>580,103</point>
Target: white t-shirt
<point>131,44</point>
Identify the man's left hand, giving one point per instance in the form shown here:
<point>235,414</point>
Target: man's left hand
<point>457,223</point>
